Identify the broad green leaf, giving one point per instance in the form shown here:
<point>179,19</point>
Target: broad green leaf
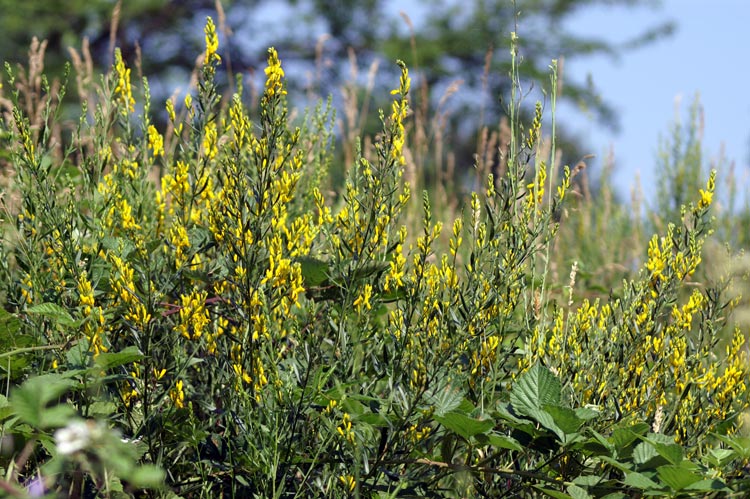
<point>587,480</point>
<point>615,495</point>
<point>463,425</point>
<point>587,413</point>
<point>623,438</point>
<point>708,484</point>
<point>577,492</point>
<point>671,452</point>
<point>445,399</point>
<point>677,477</point>
<point>56,416</point>
<point>645,453</point>
<point>314,271</point>
<point>30,399</point>
<point>739,444</point>
<point>640,481</point>
<point>504,442</point>
<point>566,419</point>
<point>108,360</point>
<point>720,457</point>
<point>533,389</point>
<point>54,312</point>
<point>545,419</point>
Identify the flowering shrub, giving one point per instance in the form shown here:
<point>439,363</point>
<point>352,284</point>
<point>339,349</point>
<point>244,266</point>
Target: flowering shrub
<point>201,289</point>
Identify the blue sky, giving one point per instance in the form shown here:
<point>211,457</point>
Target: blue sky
<point>706,56</point>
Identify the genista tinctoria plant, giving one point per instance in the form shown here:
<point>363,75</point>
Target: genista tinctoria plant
<point>200,293</point>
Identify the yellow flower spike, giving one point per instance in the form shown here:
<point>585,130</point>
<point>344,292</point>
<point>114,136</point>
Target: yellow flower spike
<point>177,394</point>
<point>274,74</point>
<point>212,43</point>
<point>706,196</point>
<point>123,90</point>
<point>155,140</point>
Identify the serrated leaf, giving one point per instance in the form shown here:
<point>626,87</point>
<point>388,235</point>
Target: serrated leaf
<point>54,312</point>
<point>677,477</point>
<point>108,360</point>
<point>30,399</point>
<point>535,388</point>
<point>644,452</point>
<point>446,399</point>
<point>463,425</point>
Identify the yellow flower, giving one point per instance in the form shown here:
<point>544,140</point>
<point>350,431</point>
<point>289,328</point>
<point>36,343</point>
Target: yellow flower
<point>212,43</point>
<point>364,299</point>
<point>177,394</point>
<point>708,194</point>
<point>123,90</point>
<point>155,141</point>
<point>274,74</point>
<point>348,482</point>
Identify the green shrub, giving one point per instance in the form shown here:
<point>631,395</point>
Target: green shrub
<point>253,335</point>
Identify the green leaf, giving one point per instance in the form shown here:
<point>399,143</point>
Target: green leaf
<point>147,477</point>
<point>640,481</point>
<point>535,388</point>
<point>587,480</point>
<point>587,413</point>
<point>314,271</point>
<point>9,324</point>
<point>565,418</point>
<point>644,453</point>
<point>624,438</point>
<point>545,419</point>
<point>30,399</point>
<point>720,457</point>
<point>108,360</point>
<point>671,452</point>
<point>577,492</point>
<point>56,416</point>
<point>445,399</point>
<point>677,477</point>
<point>708,484</point>
<point>54,312</point>
<point>463,425</point>
<point>504,442</point>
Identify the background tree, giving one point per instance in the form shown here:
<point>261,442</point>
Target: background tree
<point>447,40</point>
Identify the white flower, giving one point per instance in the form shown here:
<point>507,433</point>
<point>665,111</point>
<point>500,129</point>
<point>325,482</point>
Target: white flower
<point>73,438</point>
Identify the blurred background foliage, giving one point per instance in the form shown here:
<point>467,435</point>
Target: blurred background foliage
<point>457,48</point>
